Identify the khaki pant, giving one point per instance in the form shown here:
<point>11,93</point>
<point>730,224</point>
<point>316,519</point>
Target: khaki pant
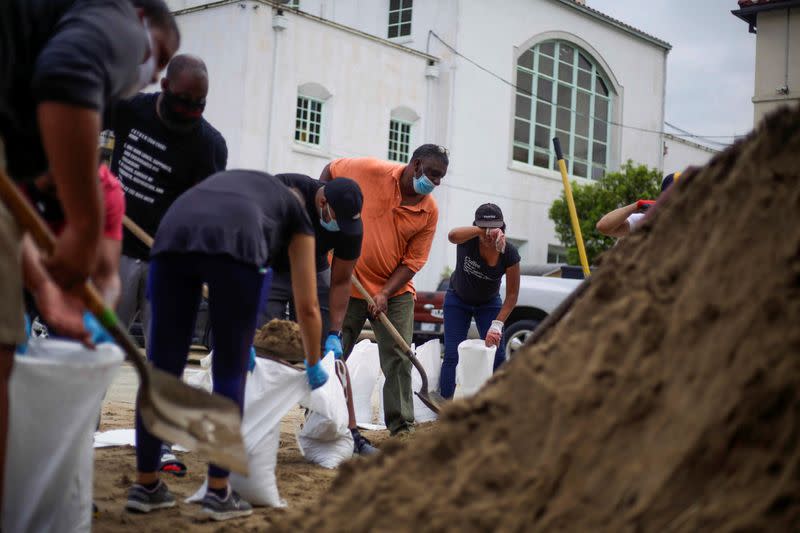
<point>12,323</point>
<point>398,399</point>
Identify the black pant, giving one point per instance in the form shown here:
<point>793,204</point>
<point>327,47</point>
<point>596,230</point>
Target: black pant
<point>280,305</point>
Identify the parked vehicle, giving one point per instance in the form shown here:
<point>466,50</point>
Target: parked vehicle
<point>540,292</point>
<point>429,314</point>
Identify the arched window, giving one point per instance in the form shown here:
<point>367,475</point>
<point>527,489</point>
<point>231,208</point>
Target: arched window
<point>401,129</point>
<point>562,92</point>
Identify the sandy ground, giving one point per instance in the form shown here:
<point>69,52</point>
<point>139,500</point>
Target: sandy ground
<point>299,481</point>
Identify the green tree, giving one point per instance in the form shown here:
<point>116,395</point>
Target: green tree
<point>593,200</point>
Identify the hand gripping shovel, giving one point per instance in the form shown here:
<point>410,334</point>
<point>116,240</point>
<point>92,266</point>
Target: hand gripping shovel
<point>432,399</point>
<point>170,409</point>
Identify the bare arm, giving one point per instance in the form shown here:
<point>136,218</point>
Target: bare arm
<point>464,233</point>
<point>326,176</point>
<point>106,273</point>
<point>304,291</point>
<point>341,270</point>
<point>69,135</point>
<point>615,223</point>
<point>512,291</point>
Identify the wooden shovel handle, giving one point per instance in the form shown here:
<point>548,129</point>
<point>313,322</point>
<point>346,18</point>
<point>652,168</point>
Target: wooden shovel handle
<point>401,342</point>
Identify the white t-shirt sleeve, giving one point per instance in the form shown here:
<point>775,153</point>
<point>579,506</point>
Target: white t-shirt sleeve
<point>634,220</point>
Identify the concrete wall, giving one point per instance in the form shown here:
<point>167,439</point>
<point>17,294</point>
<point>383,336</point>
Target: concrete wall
<point>774,69</point>
<point>681,154</point>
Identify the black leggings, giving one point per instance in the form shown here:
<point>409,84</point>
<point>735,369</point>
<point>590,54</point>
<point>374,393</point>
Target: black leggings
<point>174,288</point>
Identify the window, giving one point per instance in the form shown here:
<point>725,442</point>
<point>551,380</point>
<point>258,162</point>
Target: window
<point>556,254</point>
<point>561,92</point>
<point>399,18</point>
<point>308,122</point>
<point>399,140</point>
<point>294,4</point>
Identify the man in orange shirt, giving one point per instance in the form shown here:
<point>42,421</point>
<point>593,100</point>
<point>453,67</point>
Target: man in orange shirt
<point>399,218</point>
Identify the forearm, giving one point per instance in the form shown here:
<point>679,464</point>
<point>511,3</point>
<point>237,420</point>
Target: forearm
<point>69,135</point>
<point>508,306</point>
<point>464,233</point>
<point>614,223</point>
<point>401,275</point>
<point>339,295</point>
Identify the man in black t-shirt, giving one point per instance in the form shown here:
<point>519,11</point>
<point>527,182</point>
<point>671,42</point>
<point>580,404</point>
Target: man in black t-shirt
<point>61,63</point>
<point>335,212</point>
<point>163,146</point>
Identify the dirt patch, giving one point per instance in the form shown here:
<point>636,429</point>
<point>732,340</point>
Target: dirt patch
<point>668,399</point>
<point>279,338</point>
<point>300,482</point>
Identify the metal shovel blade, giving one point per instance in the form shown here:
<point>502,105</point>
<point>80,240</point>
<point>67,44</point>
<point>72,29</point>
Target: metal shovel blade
<point>205,423</point>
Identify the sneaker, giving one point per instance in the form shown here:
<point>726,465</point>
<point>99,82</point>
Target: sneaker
<point>224,509</point>
<point>141,500</point>
<point>361,445</point>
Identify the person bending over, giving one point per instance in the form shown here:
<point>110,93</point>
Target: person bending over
<point>223,232</point>
<point>483,257</point>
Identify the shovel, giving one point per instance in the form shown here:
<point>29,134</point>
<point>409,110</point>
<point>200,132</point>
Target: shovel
<point>170,409</point>
<point>432,399</point>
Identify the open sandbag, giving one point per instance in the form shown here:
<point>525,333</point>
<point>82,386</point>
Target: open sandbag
<point>55,393</point>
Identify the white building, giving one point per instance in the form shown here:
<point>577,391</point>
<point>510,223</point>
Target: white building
<point>776,24</point>
<point>291,90</point>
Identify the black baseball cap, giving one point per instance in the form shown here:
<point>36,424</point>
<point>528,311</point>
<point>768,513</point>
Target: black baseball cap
<point>489,216</point>
<point>345,198</point>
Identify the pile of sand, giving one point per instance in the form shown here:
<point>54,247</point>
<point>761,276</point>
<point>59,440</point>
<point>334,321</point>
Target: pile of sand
<point>668,399</point>
<point>279,338</point>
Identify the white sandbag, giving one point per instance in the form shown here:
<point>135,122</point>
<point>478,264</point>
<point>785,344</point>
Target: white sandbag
<point>475,364</point>
<point>430,357</point>
<point>364,367</point>
<point>56,390</point>
<point>272,389</point>
<point>324,437</point>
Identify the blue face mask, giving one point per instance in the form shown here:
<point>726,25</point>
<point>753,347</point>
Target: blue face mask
<point>330,226</point>
<point>423,185</point>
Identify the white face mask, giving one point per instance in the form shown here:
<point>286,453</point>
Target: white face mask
<point>146,70</point>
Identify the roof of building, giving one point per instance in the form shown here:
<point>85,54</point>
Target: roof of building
<point>749,9</point>
<point>616,23</point>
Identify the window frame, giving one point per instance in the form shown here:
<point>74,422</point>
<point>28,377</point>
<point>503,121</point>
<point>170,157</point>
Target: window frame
<point>291,4</point>
<point>540,79</point>
<point>298,119</point>
<point>400,24</point>
<point>398,142</point>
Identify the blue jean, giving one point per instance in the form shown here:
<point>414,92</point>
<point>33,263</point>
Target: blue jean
<point>174,288</point>
<point>457,317</point>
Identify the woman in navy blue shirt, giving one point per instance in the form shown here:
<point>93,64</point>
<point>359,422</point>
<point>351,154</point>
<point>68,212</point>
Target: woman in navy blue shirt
<point>483,257</point>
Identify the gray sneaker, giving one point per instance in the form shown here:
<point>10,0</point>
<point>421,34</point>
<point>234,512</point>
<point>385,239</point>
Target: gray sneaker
<point>361,445</point>
<point>232,506</point>
<point>141,500</point>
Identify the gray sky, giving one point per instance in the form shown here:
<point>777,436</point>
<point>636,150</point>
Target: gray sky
<point>710,69</point>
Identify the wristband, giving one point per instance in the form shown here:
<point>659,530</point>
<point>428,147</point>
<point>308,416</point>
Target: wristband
<point>497,325</point>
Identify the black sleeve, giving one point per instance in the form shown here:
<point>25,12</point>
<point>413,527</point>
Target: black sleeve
<point>348,247</point>
<point>220,162</point>
<point>91,58</point>
<point>302,224</point>
<point>512,255</point>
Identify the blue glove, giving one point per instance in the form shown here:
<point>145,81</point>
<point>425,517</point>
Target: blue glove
<point>317,377</point>
<point>22,348</point>
<point>334,344</point>
<point>252,363</point>
<point>95,329</point>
